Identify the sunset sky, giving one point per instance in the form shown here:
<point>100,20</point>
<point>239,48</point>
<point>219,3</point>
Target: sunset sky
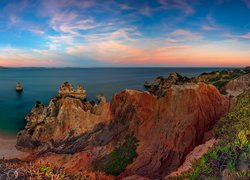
<point>87,33</point>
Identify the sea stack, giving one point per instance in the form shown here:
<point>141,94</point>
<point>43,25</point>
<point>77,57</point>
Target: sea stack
<point>19,87</point>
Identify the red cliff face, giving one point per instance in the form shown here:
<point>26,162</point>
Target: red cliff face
<point>167,127</point>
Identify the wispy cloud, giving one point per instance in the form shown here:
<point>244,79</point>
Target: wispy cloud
<point>71,23</point>
<point>241,36</point>
<point>182,5</point>
<point>182,35</point>
<point>209,28</point>
<point>210,24</point>
<point>125,7</point>
<point>146,11</point>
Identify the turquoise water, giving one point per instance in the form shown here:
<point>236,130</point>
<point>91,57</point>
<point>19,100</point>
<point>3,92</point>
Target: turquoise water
<point>42,84</point>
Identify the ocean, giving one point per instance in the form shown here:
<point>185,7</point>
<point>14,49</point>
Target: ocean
<point>41,84</point>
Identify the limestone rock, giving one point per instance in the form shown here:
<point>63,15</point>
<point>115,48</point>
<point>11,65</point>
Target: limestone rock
<point>67,89</point>
<point>67,116</point>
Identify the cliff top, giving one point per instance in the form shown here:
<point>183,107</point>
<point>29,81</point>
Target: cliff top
<point>67,89</point>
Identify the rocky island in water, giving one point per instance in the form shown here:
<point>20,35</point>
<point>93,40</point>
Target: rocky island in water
<point>184,128</point>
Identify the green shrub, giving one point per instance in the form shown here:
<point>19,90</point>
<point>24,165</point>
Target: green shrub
<point>220,84</point>
<point>215,78</point>
<point>116,162</point>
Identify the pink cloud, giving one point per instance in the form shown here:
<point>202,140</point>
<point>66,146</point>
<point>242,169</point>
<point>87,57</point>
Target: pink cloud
<point>125,7</point>
<point>18,58</point>
<point>182,35</point>
<point>243,36</point>
<point>184,55</point>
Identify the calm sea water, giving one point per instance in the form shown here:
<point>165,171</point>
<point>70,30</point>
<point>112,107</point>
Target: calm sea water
<point>42,85</point>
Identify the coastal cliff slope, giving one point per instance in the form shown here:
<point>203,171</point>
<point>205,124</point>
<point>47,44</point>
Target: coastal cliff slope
<point>152,134</point>
<point>228,157</point>
<point>237,86</point>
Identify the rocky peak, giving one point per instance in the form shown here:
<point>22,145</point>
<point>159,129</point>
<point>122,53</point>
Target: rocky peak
<point>101,98</point>
<point>67,89</point>
<point>177,79</point>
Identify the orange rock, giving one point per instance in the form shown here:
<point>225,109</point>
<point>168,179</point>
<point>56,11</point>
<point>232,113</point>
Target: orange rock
<point>167,127</point>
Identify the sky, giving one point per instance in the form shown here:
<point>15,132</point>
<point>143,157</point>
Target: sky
<point>124,33</point>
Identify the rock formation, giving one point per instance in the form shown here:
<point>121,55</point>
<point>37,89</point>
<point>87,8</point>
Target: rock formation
<point>161,84</point>
<point>19,87</point>
<point>167,127</point>
<point>219,78</point>
<point>67,89</point>
<point>247,69</point>
<point>67,115</point>
<point>236,86</point>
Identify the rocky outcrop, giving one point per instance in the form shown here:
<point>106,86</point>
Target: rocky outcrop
<point>236,86</point>
<point>161,84</point>
<point>67,89</point>
<point>247,69</point>
<point>219,78</point>
<point>167,127</point>
<point>68,115</point>
<point>19,87</point>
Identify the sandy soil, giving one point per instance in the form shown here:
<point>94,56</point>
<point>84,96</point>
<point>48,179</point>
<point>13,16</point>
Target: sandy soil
<point>7,148</point>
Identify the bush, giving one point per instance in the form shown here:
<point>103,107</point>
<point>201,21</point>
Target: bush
<point>220,84</point>
<point>116,162</point>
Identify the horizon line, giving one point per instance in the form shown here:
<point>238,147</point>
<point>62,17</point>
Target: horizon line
<point>74,67</point>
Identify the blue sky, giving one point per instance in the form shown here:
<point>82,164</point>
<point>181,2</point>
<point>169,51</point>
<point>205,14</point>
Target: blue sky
<point>83,33</point>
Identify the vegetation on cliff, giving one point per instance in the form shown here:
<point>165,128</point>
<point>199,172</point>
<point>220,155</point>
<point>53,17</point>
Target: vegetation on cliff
<point>115,162</point>
<point>230,157</point>
<point>42,171</point>
<point>220,78</point>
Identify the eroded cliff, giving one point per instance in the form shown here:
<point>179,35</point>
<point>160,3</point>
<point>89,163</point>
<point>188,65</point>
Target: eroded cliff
<point>150,134</point>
